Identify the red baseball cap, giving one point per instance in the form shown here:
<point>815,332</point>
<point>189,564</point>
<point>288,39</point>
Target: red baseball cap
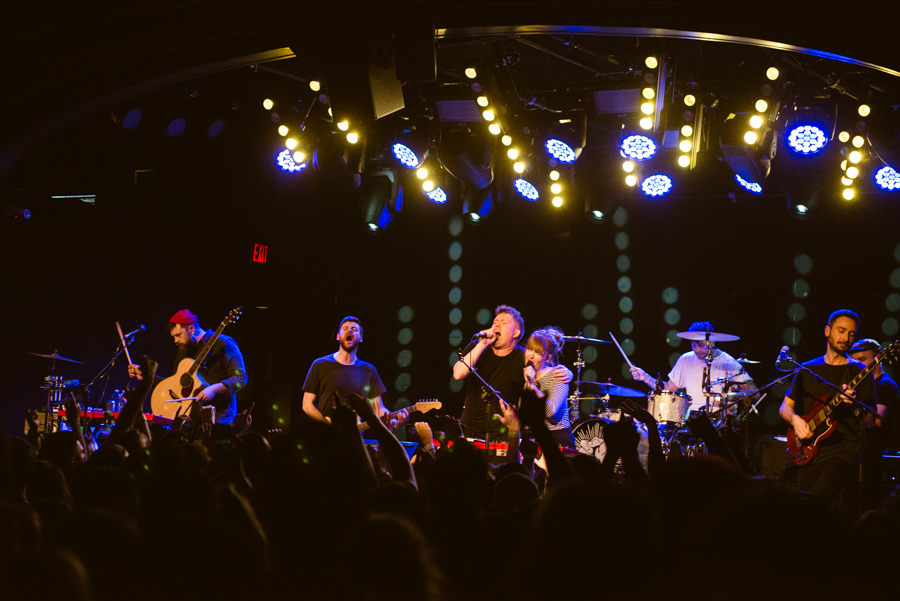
<point>184,317</point>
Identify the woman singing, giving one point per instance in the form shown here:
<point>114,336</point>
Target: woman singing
<point>541,356</point>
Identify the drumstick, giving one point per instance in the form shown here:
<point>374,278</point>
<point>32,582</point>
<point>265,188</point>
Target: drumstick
<point>122,338</point>
<point>620,350</point>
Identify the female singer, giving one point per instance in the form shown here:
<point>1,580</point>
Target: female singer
<point>541,356</point>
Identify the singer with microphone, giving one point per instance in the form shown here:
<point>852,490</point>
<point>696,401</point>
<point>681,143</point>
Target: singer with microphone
<point>499,359</point>
<point>542,353</point>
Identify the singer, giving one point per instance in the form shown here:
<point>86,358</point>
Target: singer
<point>499,359</point>
<point>541,355</point>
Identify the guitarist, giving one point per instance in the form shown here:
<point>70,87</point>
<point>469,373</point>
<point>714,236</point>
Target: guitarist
<point>223,369</point>
<point>344,374</point>
<point>834,465</point>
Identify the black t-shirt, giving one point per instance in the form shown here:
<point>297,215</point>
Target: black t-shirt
<point>805,390</point>
<point>326,376</point>
<point>503,373</point>
<point>889,396</point>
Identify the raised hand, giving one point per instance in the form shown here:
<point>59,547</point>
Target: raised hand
<point>631,408</point>
<point>423,430</point>
<point>509,417</point>
<point>243,420</point>
<point>450,426</point>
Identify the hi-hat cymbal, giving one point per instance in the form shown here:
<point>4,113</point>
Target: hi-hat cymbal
<point>584,340</point>
<point>704,336</point>
<point>609,388</point>
<point>54,355</point>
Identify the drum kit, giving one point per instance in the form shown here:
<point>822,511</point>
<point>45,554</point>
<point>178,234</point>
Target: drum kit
<point>671,410</point>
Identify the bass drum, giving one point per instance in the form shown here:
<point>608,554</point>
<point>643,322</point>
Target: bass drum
<point>588,435</point>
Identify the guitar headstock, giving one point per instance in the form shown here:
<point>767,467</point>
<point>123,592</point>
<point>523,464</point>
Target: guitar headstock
<point>890,353</point>
<point>233,315</point>
<point>426,405</point>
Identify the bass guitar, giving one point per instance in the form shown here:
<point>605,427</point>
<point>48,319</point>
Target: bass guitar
<point>180,389</point>
<point>819,419</point>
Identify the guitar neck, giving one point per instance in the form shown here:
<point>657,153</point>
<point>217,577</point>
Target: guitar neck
<point>235,313</point>
<point>837,399</point>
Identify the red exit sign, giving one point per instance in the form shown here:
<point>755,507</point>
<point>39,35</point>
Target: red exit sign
<point>260,253</point>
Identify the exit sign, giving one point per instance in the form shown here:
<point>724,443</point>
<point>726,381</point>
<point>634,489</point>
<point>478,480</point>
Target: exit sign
<point>260,253</point>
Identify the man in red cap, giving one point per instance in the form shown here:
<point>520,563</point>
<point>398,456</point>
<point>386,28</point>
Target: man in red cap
<point>223,368</point>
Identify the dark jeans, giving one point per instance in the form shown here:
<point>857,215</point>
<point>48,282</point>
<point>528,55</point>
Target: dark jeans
<point>824,479</point>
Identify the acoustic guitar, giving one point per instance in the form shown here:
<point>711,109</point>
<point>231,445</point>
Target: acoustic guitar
<point>180,389</point>
<point>819,419</point>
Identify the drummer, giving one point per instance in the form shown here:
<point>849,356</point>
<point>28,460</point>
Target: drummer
<point>688,371</point>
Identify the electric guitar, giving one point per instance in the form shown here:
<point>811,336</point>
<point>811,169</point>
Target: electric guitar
<point>180,389</point>
<point>819,419</point>
<point>421,406</point>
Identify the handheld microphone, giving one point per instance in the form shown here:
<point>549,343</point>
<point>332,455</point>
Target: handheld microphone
<point>136,331</point>
<point>782,355</point>
<point>481,335</point>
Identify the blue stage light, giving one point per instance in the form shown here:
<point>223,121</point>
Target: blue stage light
<point>638,148</point>
<point>405,155</point>
<point>526,189</point>
<point>749,186</point>
<point>656,185</point>
<point>437,195</point>
<point>807,139</point>
<point>286,162</point>
<point>887,179</point>
<point>560,151</point>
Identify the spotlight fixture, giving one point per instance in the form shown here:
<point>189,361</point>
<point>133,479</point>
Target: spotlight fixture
<point>750,161</point>
<point>381,197</point>
<point>638,147</point>
<point>806,139</point>
<point>811,125</point>
<point>656,185</point>
<point>887,179</point>
<point>749,186</point>
<point>468,157</point>
<point>526,189</point>
<point>437,195</point>
<point>478,205</point>
<point>286,162</point>
<point>566,140</point>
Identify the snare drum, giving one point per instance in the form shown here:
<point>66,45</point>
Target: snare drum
<point>669,407</point>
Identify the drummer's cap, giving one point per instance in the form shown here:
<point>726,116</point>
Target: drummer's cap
<point>185,317</point>
<point>866,344</point>
<point>701,326</point>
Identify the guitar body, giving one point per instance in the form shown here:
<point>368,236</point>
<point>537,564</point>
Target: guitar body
<point>182,384</point>
<point>804,451</point>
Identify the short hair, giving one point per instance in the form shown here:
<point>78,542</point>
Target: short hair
<point>550,339</point>
<point>512,312</point>
<point>353,319</point>
<point>701,326</point>
<point>843,313</point>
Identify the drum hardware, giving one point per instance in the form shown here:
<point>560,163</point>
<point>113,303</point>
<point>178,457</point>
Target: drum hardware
<point>584,340</point>
<point>610,389</point>
<point>574,399</point>
<point>54,385</point>
<point>707,337</point>
<point>743,360</point>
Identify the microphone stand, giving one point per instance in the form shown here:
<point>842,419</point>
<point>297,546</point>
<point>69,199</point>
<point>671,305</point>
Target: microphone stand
<point>494,393</point>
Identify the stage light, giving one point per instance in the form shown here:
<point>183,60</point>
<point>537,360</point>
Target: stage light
<point>494,128</point>
<point>684,146</point>
<point>437,195</point>
<point>506,140</point>
<point>749,186</point>
<point>482,101</point>
<point>772,73</point>
<point>298,157</point>
<point>315,86</point>
<point>761,106</point>
<point>887,179</point>
<point>852,172</point>
<point>291,143</point>
<point>526,190</point>
<point>690,100</point>
<point>598,215</point>
<point>421,172</point>
<point>855,156</point>
<point>864,110</point>
<point>468,157</point>
<point>176,127</point>
<point>560,151</point>
<point>846,181</point>
<point>858,141</point>
<point>283,130</point>
<point>638,148</point>
<point>566,140</point>
<point>806,139</point>
<point>554,175</point>
<point>352,138</point>
<point>684,161</point>
<point>557,201</point>
<point>343,125</point>
<point>628,166</point>
<point>756,121</point>
<point>268,104</point>
<point>382,197</point>
<point>651,62</point>
<point>286,162</point>
<point>519,167</point>
<point>405,155</point>
<point>512,153</point>
<point>647,108</point>
<point>656,185</point>
<point>478,205</point>
<point>428,185</point>
<point>648,93</point>
<point>488,115</point>
<point>844,136</point>
<point>471,73</point>
<point>848,194</point>
<point>556,188</point>
<point>687,131</point>
<point>646,123</point>
<point>801,210</point>
<point>844,165</point>
<point>752,162</point>
<point>750,137</point>
<point>631,180</point>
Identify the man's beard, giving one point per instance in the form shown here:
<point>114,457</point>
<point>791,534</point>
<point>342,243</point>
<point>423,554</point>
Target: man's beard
<point>837,348</point>
<point>190,345</point>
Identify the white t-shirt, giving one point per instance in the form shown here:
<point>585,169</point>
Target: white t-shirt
<point>688,374</point>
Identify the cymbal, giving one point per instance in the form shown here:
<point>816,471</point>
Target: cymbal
<point>712,336</point>
<point>584,340</point>
<point>744,360</point>
<point>610,389</point>
<point>54,355</point>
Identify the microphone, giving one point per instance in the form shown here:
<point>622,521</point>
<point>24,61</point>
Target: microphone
<point>136,331</point>
<point>782,355</point>
<point>480,336</point>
